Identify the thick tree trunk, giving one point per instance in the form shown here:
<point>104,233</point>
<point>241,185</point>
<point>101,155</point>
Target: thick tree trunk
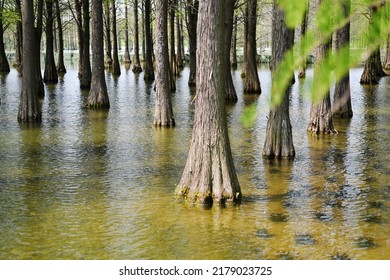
<point>209,174</point>
<point>98,96</point>
<point>234,44</point>
<point>230,91</point>
<point>386,64</point>
<point>304,26</point>
<point>4,65</point>
<point>320,119</point>
<point>116,67</point>
<point>137,64</point>
<point>107,37</point>
<point>19,38</point>
<point>85,82</point>
<point>163,114</point>
<point>148,71</point>
<point>252,82</point>
<point>79,20</point>
<point>127,59</point>
<point>192,11</point>
<point>60,65</point>
<point>279,140</point>
<point>342,106</point>
<point>29,107</point>
<point>373,67</point>
<point>50,73</point>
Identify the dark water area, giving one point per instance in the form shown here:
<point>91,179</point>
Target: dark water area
<point>89,184</point>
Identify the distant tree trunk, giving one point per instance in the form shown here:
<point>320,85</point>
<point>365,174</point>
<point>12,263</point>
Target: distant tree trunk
<point>230,91</point>
<point>4,65</point>
<point>209,174</point>
<point>320,119</point>
<point>19,38</point>
<point>179,58</point>
<point>252,82</point>
<point>172,54</point>
<point>29,110</point>
<point>98,96</point>
<point>279,140</point>
<point>342,106</point>
<point>127,59</point>
<point>50,74</point>
<point>60,65</point>
<point>373,67</point>
<point>245,58</point>
<point>143,31</point>
<point>116,67</point>
<point>192,11</point>
<point>304,25</point>
<point>79,21</point>
<point>37,57</point>
<point>85,82</point>
<point>234,44</point>
<point>107,37</point>
<point>386,64</point>
<point>148,71</point>
<point>137,64</point>
<point>163,114</point>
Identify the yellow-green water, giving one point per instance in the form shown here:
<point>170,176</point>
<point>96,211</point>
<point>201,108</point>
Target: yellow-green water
<point>91,184</point>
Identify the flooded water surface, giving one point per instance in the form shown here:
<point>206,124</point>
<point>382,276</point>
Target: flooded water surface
<point>89,184</point>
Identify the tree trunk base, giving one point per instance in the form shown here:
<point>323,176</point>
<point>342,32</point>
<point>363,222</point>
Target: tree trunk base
<point>137,68</point>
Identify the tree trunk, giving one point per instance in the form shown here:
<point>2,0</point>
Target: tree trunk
<point>179,58</point>
<point>60,65</point>
<point>320,119</point>
<point>127,59</point>
<point>252,82</point>
<point>373,67</point>
<point>19,38</point>
<point>386,64</point>
<point>50,74</point>
<point>163,114</point>
<point>148,71</point>
<point>304,25</point>
<point>234,44</point>
<point>116,67</point>
<point>230,91</point>
<point>29,107</point>
<point>342,106</point>
<point>192,11</point>
<point>245,58</point>
<point>4,65</point>
<point>37,58</point>
<point>85,82</point>
<point>209,174</point>
<point>98,96</point>
<point>79,21</point>
<point>172,54</point>
<point>137,64</point>
<point>279,140</point>
<point>107,37</point>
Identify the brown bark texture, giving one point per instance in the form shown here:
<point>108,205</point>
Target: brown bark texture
<point>107,37</point>
<point>342,105</point>
<point>50,73</point>
<point>209,174</point>
<point>127,58</point>
<point>304,26</point>
<point>85,81</point>
<point>192,12</point>
<point>148,70</point>
<point>98,96</point>
<point>116,67</point>
<point>252,82</point>
<point>60,65</point>
<point>136,61</point>
<point>79,20</point>
<point>230,90</point>
<point>4,65</point>
<point>163,113</point>
<point>279,140</point>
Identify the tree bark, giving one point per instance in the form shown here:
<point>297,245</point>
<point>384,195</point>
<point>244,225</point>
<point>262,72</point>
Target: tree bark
<point>85,82</point>
<point>79,20</point>
<point>137,64</point>
<point>60,65</point>
<point>234,44</point>
<point>148,71</point>
<point>163,114</point>
<point>386,64</point>
<point>107,37</point>
<point>342,106</point>
<point>172,54</point>
<point>230,91</point>
<point>4,65</point>
<point>116,67</point>
<point>127,59</point>
<point>209,174</point>
<point>19,38</point>
<point>279,140</point>
<point>304,26</point>
<point>320,119</point>
<point>98,96</point>
<point>29,107</point>
<point>179,58</point>
<point>192,12</point>
<point>252,82</point>
<point>50,73</point>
